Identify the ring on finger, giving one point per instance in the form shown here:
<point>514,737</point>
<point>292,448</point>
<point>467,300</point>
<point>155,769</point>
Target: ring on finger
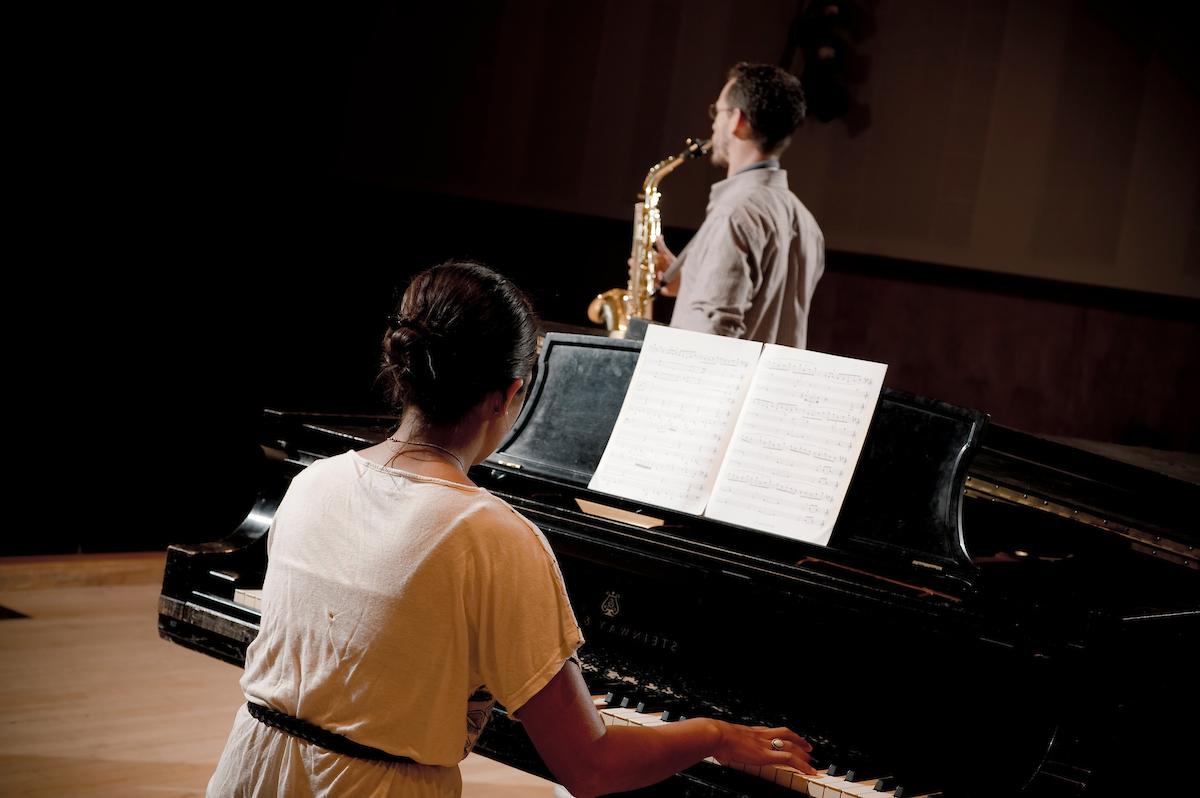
<point>776,744</point>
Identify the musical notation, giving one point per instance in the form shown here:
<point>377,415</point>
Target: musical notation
<point>795,444</point>
<point>675,422</point>
<point>764,437</point>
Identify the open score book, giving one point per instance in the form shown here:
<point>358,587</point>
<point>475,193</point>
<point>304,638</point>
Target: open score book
<point>758,435</point>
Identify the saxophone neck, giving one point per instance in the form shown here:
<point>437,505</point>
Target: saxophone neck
<point>695,148</point>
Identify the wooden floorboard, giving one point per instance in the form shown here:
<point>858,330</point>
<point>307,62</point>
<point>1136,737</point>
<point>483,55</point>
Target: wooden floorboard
<point>94,703</point>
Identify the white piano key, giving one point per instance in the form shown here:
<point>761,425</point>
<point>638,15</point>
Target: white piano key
<point>858,789</point>
<point>825,786</point>
<point>632,717</point>
<point>821,785</point>
<point>653,720</point>
<point>789,777</point>
<point>783,775</point>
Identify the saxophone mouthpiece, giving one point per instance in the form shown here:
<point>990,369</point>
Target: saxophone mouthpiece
<point>698,147</point>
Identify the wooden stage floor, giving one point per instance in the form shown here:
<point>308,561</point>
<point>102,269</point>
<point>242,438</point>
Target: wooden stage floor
<point>94,703</point>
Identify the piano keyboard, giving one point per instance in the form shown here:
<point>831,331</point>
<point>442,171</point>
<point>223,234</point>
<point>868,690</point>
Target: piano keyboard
<point>822,785</point>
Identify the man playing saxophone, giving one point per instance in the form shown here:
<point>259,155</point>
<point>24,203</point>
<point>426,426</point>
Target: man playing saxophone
<point>752,267</point>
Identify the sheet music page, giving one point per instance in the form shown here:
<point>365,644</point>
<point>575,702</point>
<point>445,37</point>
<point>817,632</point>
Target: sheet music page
<point>677,418</point>
<point>796,443</point>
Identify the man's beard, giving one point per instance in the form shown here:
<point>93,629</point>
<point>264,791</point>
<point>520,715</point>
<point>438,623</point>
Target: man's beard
<point>719,156</point>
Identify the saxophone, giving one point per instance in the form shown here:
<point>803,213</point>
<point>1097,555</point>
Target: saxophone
<point>616,306</point>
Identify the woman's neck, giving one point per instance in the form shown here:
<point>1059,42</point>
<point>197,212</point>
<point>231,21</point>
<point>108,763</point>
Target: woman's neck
<point>444,452</point>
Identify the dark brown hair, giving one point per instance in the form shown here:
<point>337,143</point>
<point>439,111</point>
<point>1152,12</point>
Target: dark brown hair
<point>772,101</point>
<point>460,331</point>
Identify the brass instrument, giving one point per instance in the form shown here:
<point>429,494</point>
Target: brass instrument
<point>616,306</point>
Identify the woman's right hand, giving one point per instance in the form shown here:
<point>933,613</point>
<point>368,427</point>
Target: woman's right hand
<point>751,745</point>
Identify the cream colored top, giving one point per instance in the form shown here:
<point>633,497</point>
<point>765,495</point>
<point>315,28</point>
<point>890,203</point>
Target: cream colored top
<point>395,608</point>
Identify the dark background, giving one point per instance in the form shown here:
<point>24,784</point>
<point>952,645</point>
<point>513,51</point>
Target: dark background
<point>228,226</point>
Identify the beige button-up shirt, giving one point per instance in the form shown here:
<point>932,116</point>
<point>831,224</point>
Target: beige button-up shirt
<point>752,267</point>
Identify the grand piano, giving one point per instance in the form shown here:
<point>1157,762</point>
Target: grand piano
<point>995,614</point>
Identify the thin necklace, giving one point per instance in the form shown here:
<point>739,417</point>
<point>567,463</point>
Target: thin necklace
<point>457,459</point>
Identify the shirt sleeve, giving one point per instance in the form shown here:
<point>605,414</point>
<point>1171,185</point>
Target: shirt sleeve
<point>728,273</point>
<point>525,627</point>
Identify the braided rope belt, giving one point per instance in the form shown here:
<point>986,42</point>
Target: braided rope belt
<point>330,741</point>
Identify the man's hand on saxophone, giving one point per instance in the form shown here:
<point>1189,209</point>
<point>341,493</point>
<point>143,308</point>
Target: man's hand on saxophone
<point>663,259</point>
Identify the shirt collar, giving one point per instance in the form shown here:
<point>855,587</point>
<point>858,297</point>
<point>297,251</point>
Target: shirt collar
<point>746,180</point>
<point>769,163</point>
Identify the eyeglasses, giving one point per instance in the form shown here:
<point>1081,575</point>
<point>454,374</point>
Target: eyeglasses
<point>714,111</point>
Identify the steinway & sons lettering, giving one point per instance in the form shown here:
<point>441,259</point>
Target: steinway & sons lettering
<point>632,634</point>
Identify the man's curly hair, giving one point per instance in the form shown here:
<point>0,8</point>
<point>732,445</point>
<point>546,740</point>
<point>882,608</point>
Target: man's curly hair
<point>772,101</point>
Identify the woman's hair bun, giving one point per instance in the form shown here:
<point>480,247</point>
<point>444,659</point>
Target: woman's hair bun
<point>460,331</point>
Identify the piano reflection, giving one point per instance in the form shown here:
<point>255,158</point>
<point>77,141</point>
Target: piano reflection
<point>995,614</point>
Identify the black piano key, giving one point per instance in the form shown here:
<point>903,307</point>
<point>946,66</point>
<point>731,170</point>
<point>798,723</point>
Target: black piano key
<point>676,710</point>
<point>615,696</point>
<point>605,688</point>
<point>909,788</point>
<point>824,753</point>
<point>886,783</point>
<point>862,772</point>
<point>632,699</point>
<point>651,705</point>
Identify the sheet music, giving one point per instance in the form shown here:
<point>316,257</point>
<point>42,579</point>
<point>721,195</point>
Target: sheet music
<point>796,442</point>
<point>677,418</point>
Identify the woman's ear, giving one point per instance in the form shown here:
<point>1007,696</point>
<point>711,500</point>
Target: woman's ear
<point>510,394</point>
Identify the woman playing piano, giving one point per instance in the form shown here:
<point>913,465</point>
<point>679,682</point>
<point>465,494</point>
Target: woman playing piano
<point>401,600</point>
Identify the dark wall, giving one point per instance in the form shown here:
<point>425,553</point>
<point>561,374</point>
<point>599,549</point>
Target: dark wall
<point>238,243</point>
<point>1053,139</point>
<point>1043,356</point>
<point>1046,357</point>
<point>1040,356</point>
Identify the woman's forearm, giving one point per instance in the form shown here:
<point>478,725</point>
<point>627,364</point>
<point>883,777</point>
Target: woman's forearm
<point>627,757</point>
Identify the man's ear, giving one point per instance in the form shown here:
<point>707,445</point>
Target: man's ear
<point>741,128</point>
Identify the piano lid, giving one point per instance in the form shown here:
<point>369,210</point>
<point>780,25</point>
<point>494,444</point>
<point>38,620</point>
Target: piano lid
<point>904,500</point>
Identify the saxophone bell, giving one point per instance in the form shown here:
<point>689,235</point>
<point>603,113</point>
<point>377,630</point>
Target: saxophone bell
<point>609,309</point>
